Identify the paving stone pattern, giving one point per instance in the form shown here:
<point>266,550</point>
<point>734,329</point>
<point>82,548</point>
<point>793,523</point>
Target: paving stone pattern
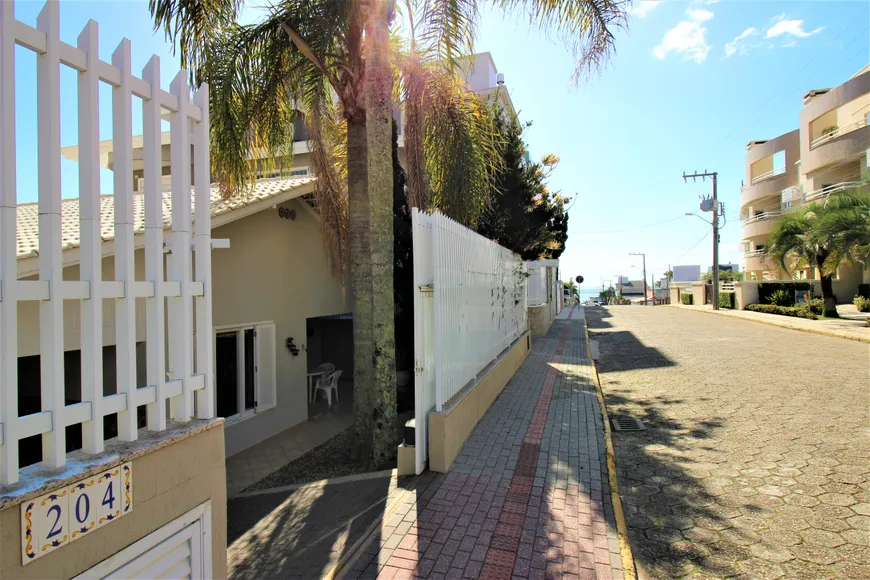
<point>756,461</point>
<point>528,496</point>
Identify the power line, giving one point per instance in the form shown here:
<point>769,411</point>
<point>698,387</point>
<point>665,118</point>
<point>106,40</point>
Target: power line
<point>778,91</point>
<point>787,97</point>
<point>695,245</point>
<point>633,229</point>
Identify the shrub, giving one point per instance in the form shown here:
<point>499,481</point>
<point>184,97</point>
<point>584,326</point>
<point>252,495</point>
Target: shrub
<point>765,289</point>
<point>816,306</point>
<point>781,297</point>
<point>686,298</point>
<point>782,310</point>
<point>864,290</point>
<point>861,303</point>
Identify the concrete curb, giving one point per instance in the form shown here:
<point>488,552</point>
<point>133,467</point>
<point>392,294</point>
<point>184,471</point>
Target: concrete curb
<point>779,323</point>
<point>628,566</point>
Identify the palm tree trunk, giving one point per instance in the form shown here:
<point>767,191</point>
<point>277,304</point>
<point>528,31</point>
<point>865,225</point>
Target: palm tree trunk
<point>828,297</point>
<point>359,238</point>
<point>379,116</point>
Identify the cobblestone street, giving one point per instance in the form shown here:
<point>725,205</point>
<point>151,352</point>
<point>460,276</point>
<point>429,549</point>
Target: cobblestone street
<point>756,458</point>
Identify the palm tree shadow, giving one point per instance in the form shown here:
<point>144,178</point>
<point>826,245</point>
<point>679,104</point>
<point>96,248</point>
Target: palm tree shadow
<point>673,512</point>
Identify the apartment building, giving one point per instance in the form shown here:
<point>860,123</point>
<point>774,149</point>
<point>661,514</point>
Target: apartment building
<point>826,154</point>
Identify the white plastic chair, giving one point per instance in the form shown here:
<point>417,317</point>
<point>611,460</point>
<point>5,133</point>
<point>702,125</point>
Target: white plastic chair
<point>327,367</point>
<point>328,385</point>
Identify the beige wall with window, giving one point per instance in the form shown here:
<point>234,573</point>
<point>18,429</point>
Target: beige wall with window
<point>275,270</point>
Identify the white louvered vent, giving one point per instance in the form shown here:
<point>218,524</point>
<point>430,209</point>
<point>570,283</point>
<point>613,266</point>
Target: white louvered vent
<point>179,550</point>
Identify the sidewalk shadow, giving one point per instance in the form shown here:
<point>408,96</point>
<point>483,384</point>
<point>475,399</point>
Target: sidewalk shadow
<point>301,533</point>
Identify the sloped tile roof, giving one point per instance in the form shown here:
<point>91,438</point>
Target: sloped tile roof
<point>28,213</point>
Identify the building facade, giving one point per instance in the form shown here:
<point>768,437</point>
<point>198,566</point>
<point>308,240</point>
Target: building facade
<point>828,153</point>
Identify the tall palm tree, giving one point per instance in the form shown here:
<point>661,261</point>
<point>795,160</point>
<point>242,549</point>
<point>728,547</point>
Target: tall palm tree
<point>796,242</point>
<point>330,59</point>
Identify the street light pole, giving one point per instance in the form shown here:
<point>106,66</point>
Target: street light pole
<point>715,209</point>
<point>645,298</point>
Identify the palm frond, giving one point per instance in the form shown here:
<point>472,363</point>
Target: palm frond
<point>586,26</point>
<point>460,146</point>
<point>193,24</point>
<point>446,27</point>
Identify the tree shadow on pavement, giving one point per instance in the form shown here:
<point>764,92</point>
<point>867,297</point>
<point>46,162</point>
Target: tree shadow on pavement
<point>642,356</point>
<point>303,532</point>
<point>680,520</point>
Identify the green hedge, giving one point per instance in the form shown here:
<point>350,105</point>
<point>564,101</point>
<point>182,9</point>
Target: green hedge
<point>686,298</point>
<point>765,289</point>
<point>782,310</point>
<point>726,300</point>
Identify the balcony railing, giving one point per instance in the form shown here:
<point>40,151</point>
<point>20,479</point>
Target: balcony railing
<point>754,254</point>
<point>767,175</point>
<point>767,215</point>
<point>824,192</point>
<point>838,132</point>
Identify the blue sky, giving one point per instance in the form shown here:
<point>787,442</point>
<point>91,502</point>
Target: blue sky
<point>690,85</point>
<point>687,89</point>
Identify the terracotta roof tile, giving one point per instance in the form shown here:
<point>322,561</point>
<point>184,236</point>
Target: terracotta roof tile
<point>28,213</point>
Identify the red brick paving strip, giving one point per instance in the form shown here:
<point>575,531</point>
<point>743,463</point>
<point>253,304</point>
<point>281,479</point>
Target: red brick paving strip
<point>501,556</point>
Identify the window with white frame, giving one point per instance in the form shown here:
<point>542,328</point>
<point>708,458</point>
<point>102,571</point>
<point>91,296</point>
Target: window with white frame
<point>245,369</point>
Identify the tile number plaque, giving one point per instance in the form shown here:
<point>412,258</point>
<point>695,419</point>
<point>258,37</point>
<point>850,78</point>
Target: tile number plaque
<point>55,519</point>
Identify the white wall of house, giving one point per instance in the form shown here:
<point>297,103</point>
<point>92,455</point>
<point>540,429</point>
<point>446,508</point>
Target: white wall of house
<point>274,270</point>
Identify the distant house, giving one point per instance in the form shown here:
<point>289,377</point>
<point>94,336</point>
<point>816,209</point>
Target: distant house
<point>630,288</point>
<point>687,273</point>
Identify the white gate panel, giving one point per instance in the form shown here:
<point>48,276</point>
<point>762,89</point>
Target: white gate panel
<point>469,307</point>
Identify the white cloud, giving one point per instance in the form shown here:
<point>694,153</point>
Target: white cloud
<point>644,7</point>
<point>740,45</point>
<point>783,25</point>
<point>688,37</point>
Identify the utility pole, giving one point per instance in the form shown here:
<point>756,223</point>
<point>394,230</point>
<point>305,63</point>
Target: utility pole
<point>708,204</point>
<point>645,297</point>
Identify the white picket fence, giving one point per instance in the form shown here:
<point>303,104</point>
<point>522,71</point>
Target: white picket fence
<point>469,307</point>
<point>186,381</point>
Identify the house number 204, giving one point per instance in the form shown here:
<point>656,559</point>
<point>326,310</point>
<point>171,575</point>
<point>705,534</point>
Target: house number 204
<point>55,519</point>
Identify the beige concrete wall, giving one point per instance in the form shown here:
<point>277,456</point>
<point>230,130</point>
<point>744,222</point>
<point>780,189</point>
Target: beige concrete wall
<point>449,429</point>
<point>167,483</point>
<point>745,293</point>
<point>274,270</point>
<point>540,319</point>
<point>699,293</point>
<point>849,275</point>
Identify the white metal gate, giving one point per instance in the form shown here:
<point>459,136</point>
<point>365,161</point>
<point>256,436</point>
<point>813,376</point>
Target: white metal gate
<point>469,307</point>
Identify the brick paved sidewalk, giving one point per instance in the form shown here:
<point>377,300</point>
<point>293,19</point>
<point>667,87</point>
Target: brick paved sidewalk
<point>528,495</point>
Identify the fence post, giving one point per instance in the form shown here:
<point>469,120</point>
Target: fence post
<point>91,240</point>
<point>8,252</point>
<point>125,260</point>
<point>155,327</point>
<point>50,260</point>
<point>180,321</point>
<point>202,242</point>
<point>438,294</point>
